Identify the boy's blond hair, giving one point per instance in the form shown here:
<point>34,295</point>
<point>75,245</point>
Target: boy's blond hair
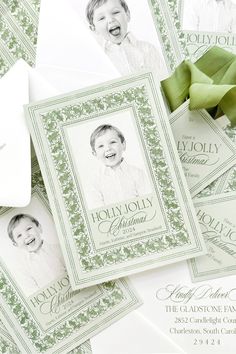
<point>94,4</point>
<point>102,130</point>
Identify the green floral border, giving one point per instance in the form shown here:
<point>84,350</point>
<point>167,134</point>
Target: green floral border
<point>209,190</point>
<point>161,10</point>
<point>137,98</point>
<point>85,348</point>
<point>42,341</point>
<point>7,344</point>
<point>230,180</point>
<point>18,32</point>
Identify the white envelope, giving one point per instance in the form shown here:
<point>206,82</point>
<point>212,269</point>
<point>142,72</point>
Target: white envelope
<point>39,88</point>
<point>15,157</point>
<point>132,335</point>
<point>196,316</point>
<point>64,41</point>
<point>66,79</point>
<point>15,176</point>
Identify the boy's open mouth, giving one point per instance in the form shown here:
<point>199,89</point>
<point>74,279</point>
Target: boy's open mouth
<point>115,31</point>
<point>110,156</point>
<point>30,242</point>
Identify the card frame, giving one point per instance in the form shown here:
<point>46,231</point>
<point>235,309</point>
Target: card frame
<point>18,34</point>
<point>139,92</point>
<point>115,299</point>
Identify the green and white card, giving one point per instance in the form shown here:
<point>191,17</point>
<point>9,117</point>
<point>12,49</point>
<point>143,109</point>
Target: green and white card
<point>207,23</point>
<point>227,182</point>
<point>38,306</point>
<point>205,151</point>
<point>18,32</point>
<point>118,210</point>
<point>216,215</point>
<point>139,37</point>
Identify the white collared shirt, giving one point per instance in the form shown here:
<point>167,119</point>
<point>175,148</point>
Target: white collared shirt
<point>110,186</point>
<point>36,270</point>
<point>210,16</point>
<point>133,55</point>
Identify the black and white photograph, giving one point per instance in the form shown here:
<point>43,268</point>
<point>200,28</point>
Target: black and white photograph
<point>30,248</point>
<point>109,160</point>
<point>126,32</point>
<point>209,15</point>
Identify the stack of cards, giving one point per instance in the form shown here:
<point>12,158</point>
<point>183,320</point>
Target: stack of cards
<point>115,185</point>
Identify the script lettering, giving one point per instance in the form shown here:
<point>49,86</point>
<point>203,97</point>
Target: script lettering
<point>116,225</point>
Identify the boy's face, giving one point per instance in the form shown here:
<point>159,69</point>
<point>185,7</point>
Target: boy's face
<point>27,235</point>
<point>111,21</point>
<point>109,148</point>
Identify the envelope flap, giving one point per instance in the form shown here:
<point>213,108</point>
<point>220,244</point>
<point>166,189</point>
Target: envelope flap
<point>15,176</point>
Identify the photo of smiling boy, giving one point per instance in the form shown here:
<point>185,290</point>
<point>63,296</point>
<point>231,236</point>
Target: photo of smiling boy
<point>116,180</point>
<point>42,262</point>
<point>109,20</point>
